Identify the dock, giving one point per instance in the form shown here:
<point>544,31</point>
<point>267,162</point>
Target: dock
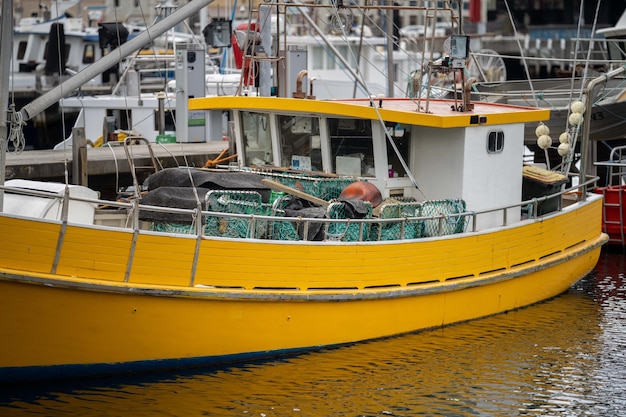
<point>107,168</point>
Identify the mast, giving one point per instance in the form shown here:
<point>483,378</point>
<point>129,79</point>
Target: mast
<point>390,47</point>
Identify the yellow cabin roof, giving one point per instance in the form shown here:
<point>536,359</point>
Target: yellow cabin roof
<point>399,110</point>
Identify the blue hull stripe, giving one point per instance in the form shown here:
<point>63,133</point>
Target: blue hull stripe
<point>64,372</point>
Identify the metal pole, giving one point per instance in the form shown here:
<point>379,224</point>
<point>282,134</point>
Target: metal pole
<point>265,67</point>
<point>390,44</point>
<point>587,157</point>
<point>6,34</point>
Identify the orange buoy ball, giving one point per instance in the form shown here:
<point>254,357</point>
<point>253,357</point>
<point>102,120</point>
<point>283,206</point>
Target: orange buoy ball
<point>364,191</point>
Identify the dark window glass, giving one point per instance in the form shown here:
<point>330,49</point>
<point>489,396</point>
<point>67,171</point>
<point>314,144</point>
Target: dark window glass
<point>495,143</point>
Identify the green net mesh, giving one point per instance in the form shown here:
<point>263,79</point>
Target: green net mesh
<point>404,217</point>
<point>347,231</point>
<point>447,224</point>
<point>405,227</point>
<point>179,228</point>
<point>237,202</point>
<point>320,187</point>
<point>283,230</point>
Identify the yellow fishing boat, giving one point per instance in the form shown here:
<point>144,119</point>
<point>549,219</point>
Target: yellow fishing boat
<point>340,221</point>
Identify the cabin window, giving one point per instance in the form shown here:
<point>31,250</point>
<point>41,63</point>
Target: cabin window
<point>170,120</point>
<point>89,53</point>
<point>257,140</point>
<point>351,145</point>
<point>21,49</point>
<point>495,142</point>
<point>300,143</point>
<point>400,135</point>
<point>345,52</point>
<point>123,118</point>
<point>318,58</point>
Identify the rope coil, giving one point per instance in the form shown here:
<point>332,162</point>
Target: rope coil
<point>16,132</point>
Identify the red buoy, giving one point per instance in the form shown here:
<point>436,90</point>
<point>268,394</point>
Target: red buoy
<point>364,191</point>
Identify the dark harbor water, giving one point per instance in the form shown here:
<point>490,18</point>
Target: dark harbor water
<point>563,357</point>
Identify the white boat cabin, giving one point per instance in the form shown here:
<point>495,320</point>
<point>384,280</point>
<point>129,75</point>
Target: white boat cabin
<point>472,159</point>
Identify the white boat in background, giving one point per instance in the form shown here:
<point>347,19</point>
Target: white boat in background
<point>556,94</point>
<point>82,44</point>
<point>142,108</point>
<point>32,35</point>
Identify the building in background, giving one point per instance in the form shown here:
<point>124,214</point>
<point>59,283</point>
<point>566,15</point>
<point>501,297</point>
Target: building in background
<point>479,16</point>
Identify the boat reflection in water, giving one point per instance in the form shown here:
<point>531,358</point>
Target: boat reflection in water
<point>561,357</point>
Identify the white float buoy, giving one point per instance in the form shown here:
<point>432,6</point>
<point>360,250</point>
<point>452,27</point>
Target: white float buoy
<point>544,141</point>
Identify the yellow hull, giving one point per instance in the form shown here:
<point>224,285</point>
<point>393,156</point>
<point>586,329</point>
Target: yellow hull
<point>75,306</point>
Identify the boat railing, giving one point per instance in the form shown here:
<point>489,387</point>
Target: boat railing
<point>562,52</point>
<point>273,224</point>
<point>615,166</point>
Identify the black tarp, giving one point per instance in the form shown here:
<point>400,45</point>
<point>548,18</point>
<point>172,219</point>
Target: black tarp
<point>56,50</point>
<point>177,197</point>
<point>174,187</point>
<point>227,180</point>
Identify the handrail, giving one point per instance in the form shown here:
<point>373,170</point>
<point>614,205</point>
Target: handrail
<point>134,206</point>
<point>131,161</point>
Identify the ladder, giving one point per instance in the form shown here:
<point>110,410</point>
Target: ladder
<point>129,142</point>
<point>613,196</point>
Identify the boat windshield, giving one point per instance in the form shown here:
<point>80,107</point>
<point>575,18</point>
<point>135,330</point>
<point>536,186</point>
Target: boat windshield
<point>257,138</point>
<point>400,135</point>
<point>300,142</point>
<point>351,146</point>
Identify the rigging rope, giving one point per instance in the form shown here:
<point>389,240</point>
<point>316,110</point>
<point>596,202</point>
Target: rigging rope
<point>521,50</point>
<point>61,62</point>
<point>567,163</point>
